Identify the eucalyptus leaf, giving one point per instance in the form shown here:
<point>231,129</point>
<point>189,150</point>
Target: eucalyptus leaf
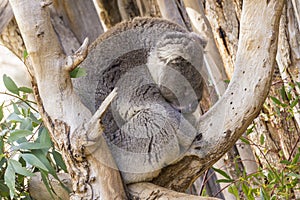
<point>13,117</point>
<point>44,137</point>
<point>78,72</point>
<point>59,161</point>
<point>223,173</point>
<point>1,146</point>
<point>16,109</point>
<point>42,157</point>
<point>19,169</point>
<point>4,190</point>
<point>44,176</point>
<point>295,102</point>
<point>25,54</point>
<point>233,190</point>
<point>9,178</point>
<point>17,134</point>
<point>25,90</point>
<point>10,85</point>
<point>31,145</point>
<point>26,124</point>
<point>34,161</point>
<point>224,180</point>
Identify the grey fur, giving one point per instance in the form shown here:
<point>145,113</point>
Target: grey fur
<point>144,126</point>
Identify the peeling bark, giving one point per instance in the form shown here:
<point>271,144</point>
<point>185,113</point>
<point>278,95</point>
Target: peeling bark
<point>109,12</point>
<point>224,17</point>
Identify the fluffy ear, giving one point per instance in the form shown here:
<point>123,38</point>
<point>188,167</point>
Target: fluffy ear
<point>176,45</point>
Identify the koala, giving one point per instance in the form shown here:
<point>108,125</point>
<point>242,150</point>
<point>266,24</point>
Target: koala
<point>156,66</point>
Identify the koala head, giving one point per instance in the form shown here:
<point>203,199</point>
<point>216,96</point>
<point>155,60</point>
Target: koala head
<point>175,64</point>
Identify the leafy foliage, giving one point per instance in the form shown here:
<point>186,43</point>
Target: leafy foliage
<point>25,144</point>
<point>269,182</point>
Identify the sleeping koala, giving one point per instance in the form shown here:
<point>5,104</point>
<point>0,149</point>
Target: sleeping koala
<point>155,64</point>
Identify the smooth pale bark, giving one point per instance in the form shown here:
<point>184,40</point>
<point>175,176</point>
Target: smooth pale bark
<point>213,59</point>
<point>214,73</point>
<point>217,75</point>
<point>80,16</point>
<point>254,65</point>
<point>225,122</point>
<point>169,10</point>
<point>6,14</point>
<point>61,110</point>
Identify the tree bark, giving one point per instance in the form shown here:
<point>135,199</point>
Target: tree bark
<point>109,12</point>
<point>6,14</point>
<point>80,16</point>
<point>64,115</point>
<point>253,60</point>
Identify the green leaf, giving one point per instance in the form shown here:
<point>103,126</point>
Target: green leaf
<point>31,146</point>
<point>282,93</point>
<point>295,102</point>
<point>19,169</point>
<point>1,147</point>
<point>223,173</point>
<point>224,180</point>
<point>26,124</point>
<point>25,90</point>
<point>16,109</point>
<point>17,134</point>
<point>245,189</point>
<point>44,137</point>
<point>263,194</point>
<point>9,178</point>
<point>46,183</point>
<point>292,174</point>
<point>286,162</point>
<point>78,72</point>
<point>59,161</point>
<point>4,190</point>
<point>276,101</point>
<point>25,54</point>
<point>42,157</point>
<point>262,139</point>
<point>34,161</point>
<point>298,84</point>
<point>10,85</point>
<point>233,190</point>
<point>296,159</point>
<point>1,112</point>
<point>13,117</point>
<point>245,140</point>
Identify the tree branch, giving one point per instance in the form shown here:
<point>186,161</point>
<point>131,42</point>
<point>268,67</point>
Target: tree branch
<point>226,121</point>
<point>58,104</point>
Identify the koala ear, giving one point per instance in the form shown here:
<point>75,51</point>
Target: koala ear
<point>177,45</point>
<point>199,38</point>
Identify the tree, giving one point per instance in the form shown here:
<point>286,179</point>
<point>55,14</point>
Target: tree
<point>255,57</point>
